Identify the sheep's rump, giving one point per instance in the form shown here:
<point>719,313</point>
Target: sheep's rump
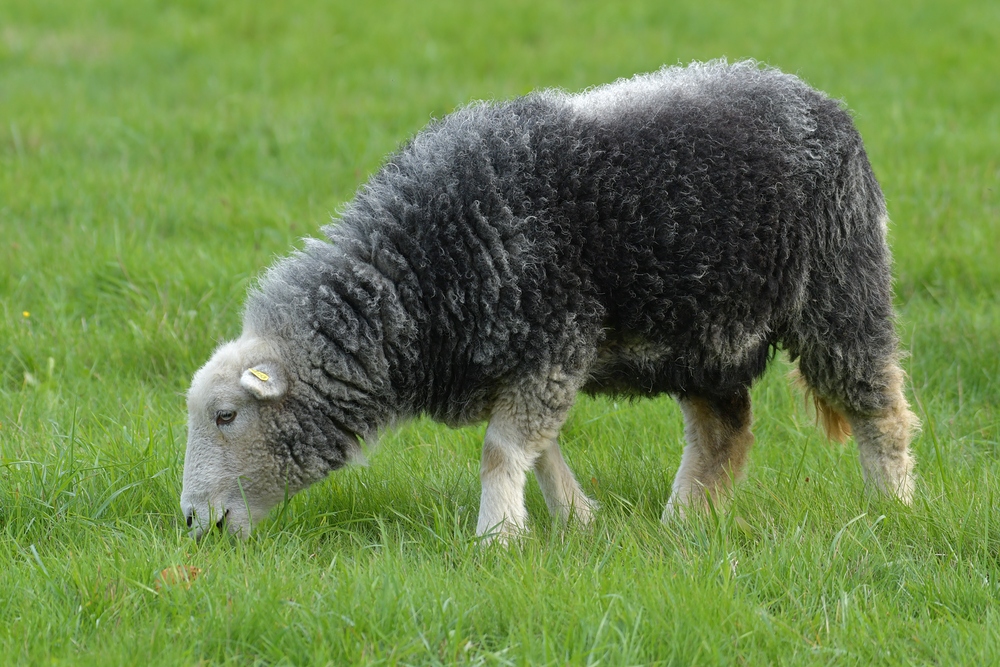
<point>659,234</point>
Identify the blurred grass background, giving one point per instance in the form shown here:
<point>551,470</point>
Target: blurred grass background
<point>155,156</point>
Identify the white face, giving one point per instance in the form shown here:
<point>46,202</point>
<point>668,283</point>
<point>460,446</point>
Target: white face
<point>231,476</point>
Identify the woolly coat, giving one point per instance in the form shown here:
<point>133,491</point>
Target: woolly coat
<point>660,234</point>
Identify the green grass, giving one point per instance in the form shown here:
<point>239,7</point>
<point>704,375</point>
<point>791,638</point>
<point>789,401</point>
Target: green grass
<point>155,156</point>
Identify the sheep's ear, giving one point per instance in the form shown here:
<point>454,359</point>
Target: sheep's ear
<point>265,381</point>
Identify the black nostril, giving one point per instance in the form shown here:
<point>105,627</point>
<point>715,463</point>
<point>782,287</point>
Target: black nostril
<point>190,519</point>
<point>222,522</point>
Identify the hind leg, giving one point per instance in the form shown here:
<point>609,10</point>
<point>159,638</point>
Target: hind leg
<point>847,349</point>
<point>884,436</point>
<point>718,437</point>
<point>876,412</point>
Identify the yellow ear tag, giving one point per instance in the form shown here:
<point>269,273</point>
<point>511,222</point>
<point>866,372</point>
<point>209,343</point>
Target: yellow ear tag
<point>260,375</point>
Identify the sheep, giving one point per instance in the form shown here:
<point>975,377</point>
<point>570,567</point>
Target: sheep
<point>661,234</point>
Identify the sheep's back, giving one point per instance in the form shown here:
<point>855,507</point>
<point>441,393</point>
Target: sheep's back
<point>678,212</point>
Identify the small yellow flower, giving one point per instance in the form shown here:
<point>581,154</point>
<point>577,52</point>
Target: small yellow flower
<point>26,314</point>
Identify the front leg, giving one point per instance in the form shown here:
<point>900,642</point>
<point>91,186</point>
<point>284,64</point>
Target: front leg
<point>562,492</point>
<point>523,427</point>
<point>506,460</point>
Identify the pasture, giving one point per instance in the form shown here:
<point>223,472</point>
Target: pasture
<point>155,157</point>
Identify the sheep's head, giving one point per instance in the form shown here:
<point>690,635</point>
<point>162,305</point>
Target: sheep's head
<point>249,447</point>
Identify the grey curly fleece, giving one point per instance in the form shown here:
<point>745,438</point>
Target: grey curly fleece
<point>663,234</point>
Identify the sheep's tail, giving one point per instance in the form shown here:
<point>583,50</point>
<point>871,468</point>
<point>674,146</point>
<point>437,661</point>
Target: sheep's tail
<point>833,421</point>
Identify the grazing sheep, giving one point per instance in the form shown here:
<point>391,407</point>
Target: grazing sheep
<point>662,234</point>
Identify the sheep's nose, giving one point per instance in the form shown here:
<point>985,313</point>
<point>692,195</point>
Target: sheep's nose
<point>189,517</point>
<point>197,520</point>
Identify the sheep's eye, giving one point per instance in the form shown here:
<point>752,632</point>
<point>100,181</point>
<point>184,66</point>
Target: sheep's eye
<point>223,417</point>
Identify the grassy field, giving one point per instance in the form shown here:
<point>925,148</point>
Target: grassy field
<point>155,156</point>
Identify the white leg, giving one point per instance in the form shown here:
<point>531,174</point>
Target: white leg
<point>523,426</point>
<point>506,460</point>
<point>562,492</point>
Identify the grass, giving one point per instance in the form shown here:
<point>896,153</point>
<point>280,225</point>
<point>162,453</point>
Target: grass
<point>155,156</point>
